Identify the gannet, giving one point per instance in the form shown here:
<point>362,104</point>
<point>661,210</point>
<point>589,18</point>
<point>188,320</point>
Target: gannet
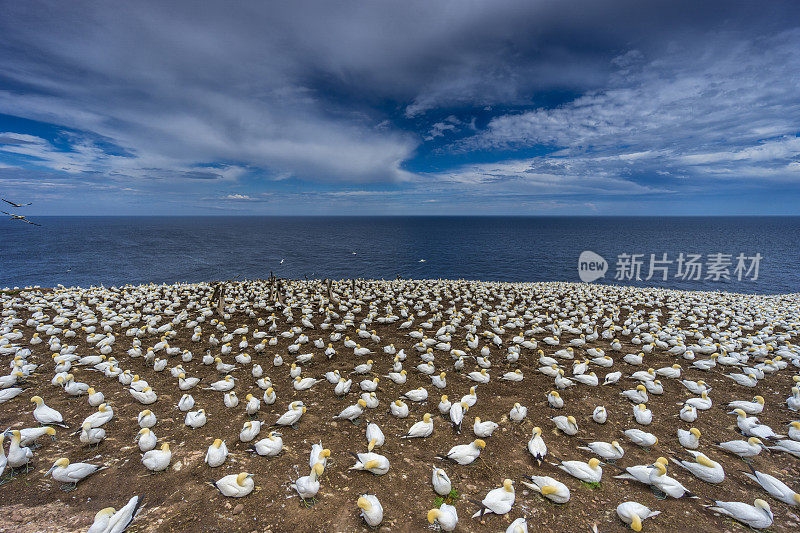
<point>416,395</point>
<point>196,419</point>
<point>518,412</point>
<point>456,414</point>
<point>146,397</point>
<point>146,439</point>
<point>445,515</point>
<point>216,454</point>
<point>471,398</point>
<point>794,430</point>
<point>464,454</point>
<point>444,405</point>
<point>642,414</point>
<point>10,393</point>
<point>498,501</point>
<point>609,452</point>
<point>46,415</point>
<point>95,397</point>
<point>566,424</point>
<point>641,438</point>
<point>688,413</point>
<point>18,455</point>
<point>695,387</point>
<point>441,482</point>
<point>372,462</point>
<point>632,513</point>
<point>758,516</point>
<point>702,403</point>
<point>157,460</point>
<point>371,509</point>
<point>483,429</point>
<point>308,486</point>
<point>421,429</point>
<point>146,419</point>
<point>186,403</point>
<point>236,485</point>
<point>269,446</point>
<point>702,467</point>
<point>600,415</point>
<point>66,472</point>
<point>689,439</point>
<point>590,472</point>
<point>30,435</point>
<point>775,487</point>
<point>789,446</point>
<point>637,395</point>
<point>751,408</point>
<point>743,448</point>
<point>555,400</point>
<point>399,409</point>
<point>293,415</point>
<point>669,486</point>
<point>640,473</point>
<point>352,412</point>
<point>109,520</point>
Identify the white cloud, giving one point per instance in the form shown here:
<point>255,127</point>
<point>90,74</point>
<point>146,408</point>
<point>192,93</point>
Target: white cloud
<point>729,103</point>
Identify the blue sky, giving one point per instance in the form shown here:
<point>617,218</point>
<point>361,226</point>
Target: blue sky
<point>418,107</point>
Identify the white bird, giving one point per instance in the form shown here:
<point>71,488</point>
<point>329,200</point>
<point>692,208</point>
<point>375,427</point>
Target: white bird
<point>758,516</point>
<point>146,439</point>
<point>566,424</point>
<point>236,485</point>
<point>216,454</point>
<point>269,446</point>
<point>518,412</point>
<point>743,448</point>
<point>371,509</point>
<point>157,460</point>
<point>609,452</point>
<point>441,482</point>
<point>689,439</point>
<point>464,454</point>
<point>146,419</point>
<point>196,419</point>
<point>109,520</point>
<point>372,462</point>
<point>66,472</point>
<point>375,437</point>
<point>641,438</point>
<point>445,515</point>
<point>633,513</point>
<point>308,486</point>
<point>536,445</point>
<point>45,415</point>
<point>498,501</point>
<point>550,488</point>
<point>590,472</point>
<point>600,415</point>
<point>702,467</point>
<point>775,487</point>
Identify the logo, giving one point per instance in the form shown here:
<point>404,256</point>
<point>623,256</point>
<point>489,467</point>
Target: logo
<point>591,266</point>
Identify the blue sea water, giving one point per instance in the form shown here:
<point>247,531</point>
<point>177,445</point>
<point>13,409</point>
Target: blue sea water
<point>116,250</point>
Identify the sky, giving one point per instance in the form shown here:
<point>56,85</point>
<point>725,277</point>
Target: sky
<point>460,107</point>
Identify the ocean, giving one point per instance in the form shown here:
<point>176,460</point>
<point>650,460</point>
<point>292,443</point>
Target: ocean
<point>117,250</point>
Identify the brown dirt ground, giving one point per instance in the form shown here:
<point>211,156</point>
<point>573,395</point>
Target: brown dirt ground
<point>181,500</point>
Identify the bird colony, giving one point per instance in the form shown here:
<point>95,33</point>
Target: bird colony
<point>404,405</point>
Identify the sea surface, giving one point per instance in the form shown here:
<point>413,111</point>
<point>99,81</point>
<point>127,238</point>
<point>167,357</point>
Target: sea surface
<point>116,250</point>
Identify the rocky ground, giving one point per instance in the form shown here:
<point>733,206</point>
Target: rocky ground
<point>181,498</point>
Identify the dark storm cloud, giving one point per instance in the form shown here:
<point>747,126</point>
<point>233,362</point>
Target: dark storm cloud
<point>347,92</point>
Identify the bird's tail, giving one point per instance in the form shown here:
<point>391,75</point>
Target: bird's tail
<point>482,509</point>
